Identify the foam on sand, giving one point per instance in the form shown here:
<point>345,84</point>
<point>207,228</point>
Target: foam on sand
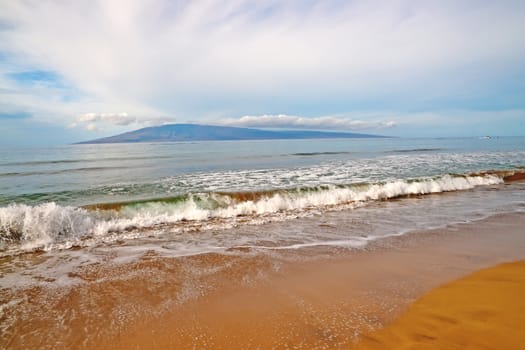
<point>313,299</point>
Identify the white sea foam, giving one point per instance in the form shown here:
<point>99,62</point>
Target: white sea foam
<point>44,223</point>
<point>50,225</point>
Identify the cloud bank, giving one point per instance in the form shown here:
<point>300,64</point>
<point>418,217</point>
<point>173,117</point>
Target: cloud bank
<point>101,121</point>
<point>112,118</point>
<point>296,122</point>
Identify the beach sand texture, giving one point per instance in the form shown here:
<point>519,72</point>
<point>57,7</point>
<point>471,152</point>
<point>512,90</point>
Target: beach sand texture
<point>485,310</point>
<point>322,298</point>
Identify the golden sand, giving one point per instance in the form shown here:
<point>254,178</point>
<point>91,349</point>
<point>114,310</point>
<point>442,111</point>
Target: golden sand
<point>485,310</point>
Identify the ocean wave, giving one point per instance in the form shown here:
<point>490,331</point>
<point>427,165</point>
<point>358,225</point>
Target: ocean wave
<point>49,225</point>
<point>63,171</point>
<point>306,154</point>
<point>83,160</point>
<point>414,150</point>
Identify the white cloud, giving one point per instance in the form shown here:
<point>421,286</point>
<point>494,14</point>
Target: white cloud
<point>157,121</point>
<point>121,119</point>
<point>321,123</point>
<point>92,127</point>
<point>100,121</point>
<point>235,57</point>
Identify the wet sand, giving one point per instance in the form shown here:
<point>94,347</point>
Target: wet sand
<point>485,310</point>
<point>311,298</point>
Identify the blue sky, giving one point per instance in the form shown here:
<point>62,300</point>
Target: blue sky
<point>77,70</point>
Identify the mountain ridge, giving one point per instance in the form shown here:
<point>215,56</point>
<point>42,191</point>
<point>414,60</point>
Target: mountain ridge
<point>200,132</point>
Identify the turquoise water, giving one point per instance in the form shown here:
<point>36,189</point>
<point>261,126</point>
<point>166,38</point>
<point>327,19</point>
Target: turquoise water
<point>58,197</point>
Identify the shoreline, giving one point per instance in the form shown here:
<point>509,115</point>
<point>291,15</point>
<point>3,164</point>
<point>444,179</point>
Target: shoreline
<point>307,298</point>
<point>334,303</point>
<point>93,224</point>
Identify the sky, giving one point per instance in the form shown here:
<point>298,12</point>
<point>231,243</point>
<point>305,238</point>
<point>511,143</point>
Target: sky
<point>78,70</point>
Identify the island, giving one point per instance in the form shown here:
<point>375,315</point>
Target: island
<point>196,132</point>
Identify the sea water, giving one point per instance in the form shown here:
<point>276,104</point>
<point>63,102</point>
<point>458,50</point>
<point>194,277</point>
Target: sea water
<point>188,196</point>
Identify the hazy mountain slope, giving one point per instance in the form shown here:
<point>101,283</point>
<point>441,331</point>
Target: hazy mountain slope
<point>194,132</point>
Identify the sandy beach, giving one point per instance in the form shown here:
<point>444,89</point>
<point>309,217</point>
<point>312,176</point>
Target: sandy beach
<point>484,310</point>
<point>319,298</point>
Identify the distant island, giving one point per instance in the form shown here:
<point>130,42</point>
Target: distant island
<point>195,132</point>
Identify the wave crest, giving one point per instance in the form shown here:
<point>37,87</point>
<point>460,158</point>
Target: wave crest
<point>45,225</point>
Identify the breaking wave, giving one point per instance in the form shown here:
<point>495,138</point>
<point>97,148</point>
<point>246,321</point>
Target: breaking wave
<point>417,150</point>
<point>50,226</point>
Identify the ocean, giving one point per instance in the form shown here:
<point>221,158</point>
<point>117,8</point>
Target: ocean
<point>189,195</point>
